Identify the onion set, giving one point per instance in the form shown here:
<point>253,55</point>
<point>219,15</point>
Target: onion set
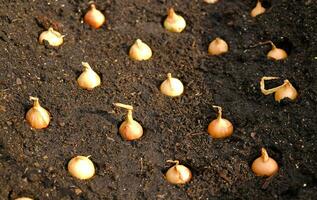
<point>88,79</point>
<point>129,129</point>
<point>264,165</point>
<point>220,127</point>
<point>275,53</point>
<point>178,174</point>
<point>81,167</point>
<point>257,10</point>
<point>94,17</point>
<point>174,22</point>
<point>38,117</point>
<point>217,47</point>
<point>286,90</point>
<point>211,1</point>
<point>53,37</point>
<point>140,51</point>
<point>172,86</point>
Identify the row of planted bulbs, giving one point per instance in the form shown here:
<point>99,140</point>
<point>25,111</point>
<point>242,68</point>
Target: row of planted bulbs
<point>83,168</point>
<point>39,118</point>
<point>140,50</point>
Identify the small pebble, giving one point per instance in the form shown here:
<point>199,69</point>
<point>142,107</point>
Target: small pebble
<point>33,176</point>
<point>36,164</point>
<point>78,191</point>
<point>18,81</point>
<point>61,124</point>
<point>2,108</point>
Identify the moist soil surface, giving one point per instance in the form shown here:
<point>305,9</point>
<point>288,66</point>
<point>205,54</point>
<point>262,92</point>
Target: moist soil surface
<point>33,163</point>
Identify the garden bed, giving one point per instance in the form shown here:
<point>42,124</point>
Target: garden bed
<point>34,163</point>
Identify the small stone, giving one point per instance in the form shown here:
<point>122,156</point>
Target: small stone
<point>78,191</point>
<point>2,108</point>
<point>33,176</point>
<point>18,81</point>
<point>36,164</point>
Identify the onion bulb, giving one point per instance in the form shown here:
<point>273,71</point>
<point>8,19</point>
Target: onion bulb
<point>172,86</point>
<point>178,174</point>
<point>129,129</point>
<point>211,1</point>
<point>217,47</point>
<point>53,37</point>
<point>174,22</point>
<point>23,198</point>
<point>88,79</point>
<point>264,165</point>
<point>140,51</point>
<point>81,167</point>
<point>94,17</point>
<point>276,53</point>
<point>257,10</point>
<point>38,117</point>
<point>220,127</point>
<point>286,90</point>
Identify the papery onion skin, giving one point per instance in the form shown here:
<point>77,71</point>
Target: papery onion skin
<point>140,51</point>
<point>211,1</point>
<point>88,79</point>
<point>287,91</point>
<point>220,128</point>
<point>174,22</point>
<point>38,117</point>
<point>257,10</point>
<point>178,174</point>
<point>275,53</point>
<point>172,87</point>
<point>217,47</point>
<point>53,37</point>
<point>81,167</point>
<point>131,130</point>
<point>264,165</point>
<point>94,17</point>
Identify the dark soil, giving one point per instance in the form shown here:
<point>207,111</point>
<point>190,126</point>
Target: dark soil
<point>33,163</point>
